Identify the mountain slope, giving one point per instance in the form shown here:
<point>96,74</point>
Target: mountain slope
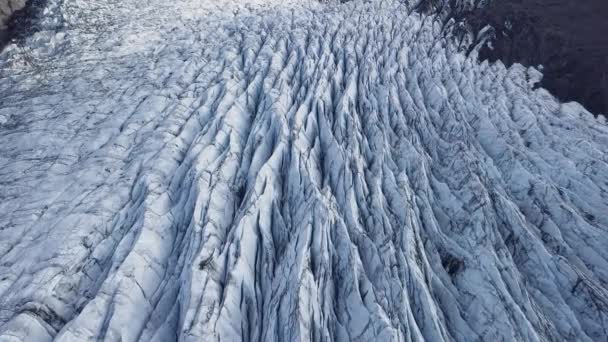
<point>278,171</point>
<point>565,37</point>
<point>7,8</point>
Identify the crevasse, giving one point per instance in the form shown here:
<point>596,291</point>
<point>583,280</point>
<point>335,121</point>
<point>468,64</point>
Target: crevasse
<point>290,171</point>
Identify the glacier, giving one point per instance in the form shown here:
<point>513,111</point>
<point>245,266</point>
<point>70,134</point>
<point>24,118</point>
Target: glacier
<point>271,170</point>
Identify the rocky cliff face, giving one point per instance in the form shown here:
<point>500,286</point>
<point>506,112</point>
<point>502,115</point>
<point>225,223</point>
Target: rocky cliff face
<point>7,8</point>
<point>565,37</point>
<point>291,171</point>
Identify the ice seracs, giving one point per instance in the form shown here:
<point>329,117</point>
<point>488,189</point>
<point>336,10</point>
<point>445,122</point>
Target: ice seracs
<point>291,171</point>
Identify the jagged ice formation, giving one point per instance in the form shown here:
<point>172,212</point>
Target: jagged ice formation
<point>290,171</point>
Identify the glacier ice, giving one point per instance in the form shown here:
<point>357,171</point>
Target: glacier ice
<point>290,170</point>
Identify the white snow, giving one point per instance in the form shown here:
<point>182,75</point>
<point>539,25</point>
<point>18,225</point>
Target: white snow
<point>290,170</point>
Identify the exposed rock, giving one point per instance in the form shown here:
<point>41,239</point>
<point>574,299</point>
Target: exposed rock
<point>7,8</point>
<point>566,37</point>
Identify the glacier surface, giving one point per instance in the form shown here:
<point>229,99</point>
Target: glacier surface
<point>290,171</point>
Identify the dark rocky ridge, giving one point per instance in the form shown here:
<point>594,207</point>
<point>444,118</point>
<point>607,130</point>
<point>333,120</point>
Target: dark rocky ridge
<point>7,8</point>
<point>22,22</point>
<point>568,38</point>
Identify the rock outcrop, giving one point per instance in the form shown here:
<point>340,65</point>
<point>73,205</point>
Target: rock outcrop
<point>7,8</point>
<point>566,37</point>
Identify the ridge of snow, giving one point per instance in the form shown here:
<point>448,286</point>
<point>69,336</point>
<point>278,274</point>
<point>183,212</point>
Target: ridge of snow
<point>290,171</point>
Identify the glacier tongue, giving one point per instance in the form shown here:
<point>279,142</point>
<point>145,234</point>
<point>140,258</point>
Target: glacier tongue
<point>290,170</point>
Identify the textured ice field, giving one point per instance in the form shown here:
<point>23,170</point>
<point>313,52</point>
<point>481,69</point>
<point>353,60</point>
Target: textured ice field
<point>290,171</point>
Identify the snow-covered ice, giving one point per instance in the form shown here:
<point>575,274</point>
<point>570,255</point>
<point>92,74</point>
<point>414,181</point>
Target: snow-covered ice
<point>290,171</point>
